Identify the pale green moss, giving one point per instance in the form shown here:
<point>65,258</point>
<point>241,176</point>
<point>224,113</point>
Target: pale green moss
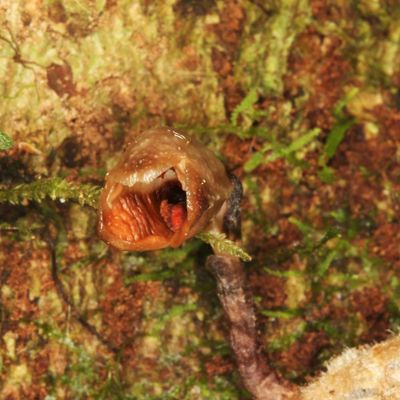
<point>132,55</point>
<point>267,42</point>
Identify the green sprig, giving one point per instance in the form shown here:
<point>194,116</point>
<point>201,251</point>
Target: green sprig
<point>85,194</point>
<point>245,105</point>
<point>53,188</point>
<point>5,141</point>
<point>222,245</point>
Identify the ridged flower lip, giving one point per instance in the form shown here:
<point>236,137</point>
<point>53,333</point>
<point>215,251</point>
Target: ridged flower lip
<point>165,189</point>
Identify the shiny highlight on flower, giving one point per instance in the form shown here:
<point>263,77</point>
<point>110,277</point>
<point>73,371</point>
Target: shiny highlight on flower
<point>166,188</point>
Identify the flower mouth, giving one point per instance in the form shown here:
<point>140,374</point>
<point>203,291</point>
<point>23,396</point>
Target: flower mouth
<point>145,213</point>
<point>172,200</point>
<point>165,189</point>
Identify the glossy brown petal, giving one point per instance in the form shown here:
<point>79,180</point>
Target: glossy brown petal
<point>166,188</point>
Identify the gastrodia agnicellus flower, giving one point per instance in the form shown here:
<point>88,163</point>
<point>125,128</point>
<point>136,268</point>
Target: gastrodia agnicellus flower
<point>166,188</point>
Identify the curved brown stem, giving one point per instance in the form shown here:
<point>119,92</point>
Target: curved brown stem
<point>258,378</point>
<point>203,196</point>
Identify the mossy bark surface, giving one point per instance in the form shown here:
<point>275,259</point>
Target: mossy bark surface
<point>300,98</point>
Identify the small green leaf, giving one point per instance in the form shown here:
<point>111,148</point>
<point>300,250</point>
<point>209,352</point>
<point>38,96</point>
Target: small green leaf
<point>340,106</point>
<point>282,314</point>
<point>5,141</point>
<point>296,145</point>
<point>246,104</point>
<point>283,274</point>
<point>222,245</point>
<point>255,160</point>
<point>302,141</point>
<point>150,277</point>
<point>325,264</point>
<point>335,137</point>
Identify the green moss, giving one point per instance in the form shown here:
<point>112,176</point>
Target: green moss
<point>222,245</point>
<point>5,141</point>
<point>53,188</point>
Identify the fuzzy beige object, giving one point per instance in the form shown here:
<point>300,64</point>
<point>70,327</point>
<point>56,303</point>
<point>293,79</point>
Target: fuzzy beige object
<point>367,373</point>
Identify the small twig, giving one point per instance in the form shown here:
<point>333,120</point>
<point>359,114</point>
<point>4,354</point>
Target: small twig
<point>17,58</point>
<point>65,297</point>
<point>257,377</point>
<point>232,221</point>
<point>17,51</point>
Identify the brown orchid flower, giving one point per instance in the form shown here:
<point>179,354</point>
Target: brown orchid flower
<point>166,188</point>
